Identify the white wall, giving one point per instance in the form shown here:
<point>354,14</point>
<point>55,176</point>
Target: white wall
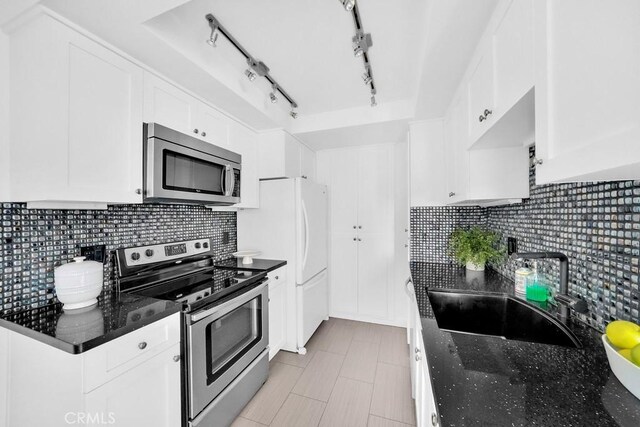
<point>4,117</point>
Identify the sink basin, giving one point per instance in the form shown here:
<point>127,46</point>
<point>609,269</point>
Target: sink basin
<point>498,315</point>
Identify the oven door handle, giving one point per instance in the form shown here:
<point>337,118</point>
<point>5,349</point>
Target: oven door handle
<point>238,301</point>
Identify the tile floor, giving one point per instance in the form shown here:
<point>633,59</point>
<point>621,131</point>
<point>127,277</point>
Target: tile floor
<point>354,374</point>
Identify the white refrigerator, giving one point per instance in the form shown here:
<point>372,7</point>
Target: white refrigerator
<point>291,224</point>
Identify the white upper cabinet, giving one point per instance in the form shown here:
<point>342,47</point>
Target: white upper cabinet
<point>501,80</point>
<point>426,152</point>
<point>244,141</point>
<point>480,96</point>
<point>172,107</point>
<point>283,156</point>
<point>76,119</point>
<point>587,90</point>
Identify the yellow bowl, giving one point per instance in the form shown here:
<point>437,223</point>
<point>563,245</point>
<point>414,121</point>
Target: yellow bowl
<point>627,372</point>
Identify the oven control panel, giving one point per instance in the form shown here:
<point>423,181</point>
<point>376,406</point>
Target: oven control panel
<point>152,254</point>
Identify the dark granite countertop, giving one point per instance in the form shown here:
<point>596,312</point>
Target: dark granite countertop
<point>257,265</point>
<point>489,381</point>
<point>76,331</point>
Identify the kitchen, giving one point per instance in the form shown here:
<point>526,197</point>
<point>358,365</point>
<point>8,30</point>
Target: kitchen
<point>310,205</point>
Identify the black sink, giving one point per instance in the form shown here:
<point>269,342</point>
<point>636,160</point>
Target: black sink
<point>498,315</point>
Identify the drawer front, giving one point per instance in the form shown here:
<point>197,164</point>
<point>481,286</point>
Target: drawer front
<point>277,277</point>
<point>112,359</point>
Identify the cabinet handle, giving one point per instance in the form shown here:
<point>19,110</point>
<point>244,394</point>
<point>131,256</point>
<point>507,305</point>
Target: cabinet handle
<point>487,113</point>
<point>176,358</point>
<point>418,357</point>
<point>138,190</point>
<point>451,194</point>
<point>481,118</point>
<point>434,419</point>
<point>142,345</point>
<point>196,130</point>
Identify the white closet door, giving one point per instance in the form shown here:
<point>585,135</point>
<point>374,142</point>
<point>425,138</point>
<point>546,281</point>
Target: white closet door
<point>375,229</point>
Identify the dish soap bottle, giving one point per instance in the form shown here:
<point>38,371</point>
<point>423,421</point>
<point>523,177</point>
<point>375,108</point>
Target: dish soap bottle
<point>536,290</point>
<point>523,276</point>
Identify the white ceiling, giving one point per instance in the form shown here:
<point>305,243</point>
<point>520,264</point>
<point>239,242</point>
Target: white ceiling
<point>420,51</point>
<point>307,45</point>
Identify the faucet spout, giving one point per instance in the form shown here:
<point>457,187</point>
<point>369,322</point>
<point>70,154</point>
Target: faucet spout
<point>564,265</point>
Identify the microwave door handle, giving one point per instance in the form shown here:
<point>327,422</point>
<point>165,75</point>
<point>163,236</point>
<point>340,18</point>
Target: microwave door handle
<point>233,181</point>
<point>223,175</point>
<point>227,181</point>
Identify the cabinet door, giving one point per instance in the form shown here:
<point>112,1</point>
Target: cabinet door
<point>277,312</point>
<point>343,271</point>
<point>169,106</point>
<point>587,90</point>
<point>374,262</point>
<point>480,96</point>
<point>460,155</point>
<point>76,118</point>
<point>375,189</point>
<point>307,163</point>
<point>213,126</point>
<point>513,55</point>
<point>149,395</point>
<point>244,141</point>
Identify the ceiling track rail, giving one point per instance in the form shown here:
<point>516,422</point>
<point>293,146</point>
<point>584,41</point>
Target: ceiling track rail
<point>259,67</point>
<point>365,56</point>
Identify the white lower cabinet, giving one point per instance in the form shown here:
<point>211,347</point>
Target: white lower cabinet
<point>277,310</point>
<point>421,387</point>
<point>131,381</point>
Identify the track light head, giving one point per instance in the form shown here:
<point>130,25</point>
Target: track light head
<point>214,25</point>
<point>361,43</point>
<point>348,4</point>
<point>366,77</point>
<point>250,75</point>
<point>293,113</point>
<point>213,38</point>
<point>272,96</point>
<point>373,101</point>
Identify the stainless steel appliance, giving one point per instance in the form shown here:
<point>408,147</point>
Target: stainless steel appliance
<point>225,328</point>
<point>179,168</point>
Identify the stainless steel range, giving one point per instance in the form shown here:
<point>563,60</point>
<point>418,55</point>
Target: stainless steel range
<point>225,333</point>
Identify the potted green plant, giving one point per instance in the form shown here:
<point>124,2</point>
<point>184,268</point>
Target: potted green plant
<point>475,247</point>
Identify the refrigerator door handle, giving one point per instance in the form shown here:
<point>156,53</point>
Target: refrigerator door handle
<point>305,218</point>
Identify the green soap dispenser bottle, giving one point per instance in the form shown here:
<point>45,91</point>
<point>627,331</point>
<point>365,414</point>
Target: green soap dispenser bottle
<point>536,289</point>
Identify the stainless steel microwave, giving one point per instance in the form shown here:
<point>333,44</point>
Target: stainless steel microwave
<point>179,168</point>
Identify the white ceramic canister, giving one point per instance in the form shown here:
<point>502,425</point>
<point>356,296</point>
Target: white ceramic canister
<point>522,274</point>
<point>78,283</point>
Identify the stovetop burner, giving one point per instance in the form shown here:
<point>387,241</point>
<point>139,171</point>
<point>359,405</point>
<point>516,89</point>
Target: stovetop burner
<point>188,277</point>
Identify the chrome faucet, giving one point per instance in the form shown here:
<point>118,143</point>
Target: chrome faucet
<point>563,298</point>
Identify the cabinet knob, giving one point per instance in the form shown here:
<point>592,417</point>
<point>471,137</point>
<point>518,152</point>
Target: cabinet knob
<point>359,239</point>
<point>354,239</point>
<point>418,357</point>
<point>354,227</point>
<point>196,130</point>
<point>451,194</point>
<point>142,345</point>
<point>406,245</point>
<point>277,277</point>
<point>481,118</point>
<point>434,419</point>
<point>487,113</point>
<point>417,350</point>
<point>203,133</point>
<point>536,161</point>
<point>138,190</point>
<point>176,358</point>
<point>360,227</point>
<point>304,176</point>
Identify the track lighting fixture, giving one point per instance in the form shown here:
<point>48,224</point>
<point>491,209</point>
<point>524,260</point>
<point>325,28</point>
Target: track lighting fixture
<point>348,4</point>
<point>361,43</point>
<point>256,68</point>
<point>250,75</point>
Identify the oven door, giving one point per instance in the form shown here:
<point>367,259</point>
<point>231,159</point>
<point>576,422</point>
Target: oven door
<point>176,173</point>
<point>223,340</point>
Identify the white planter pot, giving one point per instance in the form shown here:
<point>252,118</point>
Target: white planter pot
<point>475,267</point>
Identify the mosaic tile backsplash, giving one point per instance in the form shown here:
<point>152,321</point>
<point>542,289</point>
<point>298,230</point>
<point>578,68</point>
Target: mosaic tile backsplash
<point>35,241</point>
<point>596,224</point>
